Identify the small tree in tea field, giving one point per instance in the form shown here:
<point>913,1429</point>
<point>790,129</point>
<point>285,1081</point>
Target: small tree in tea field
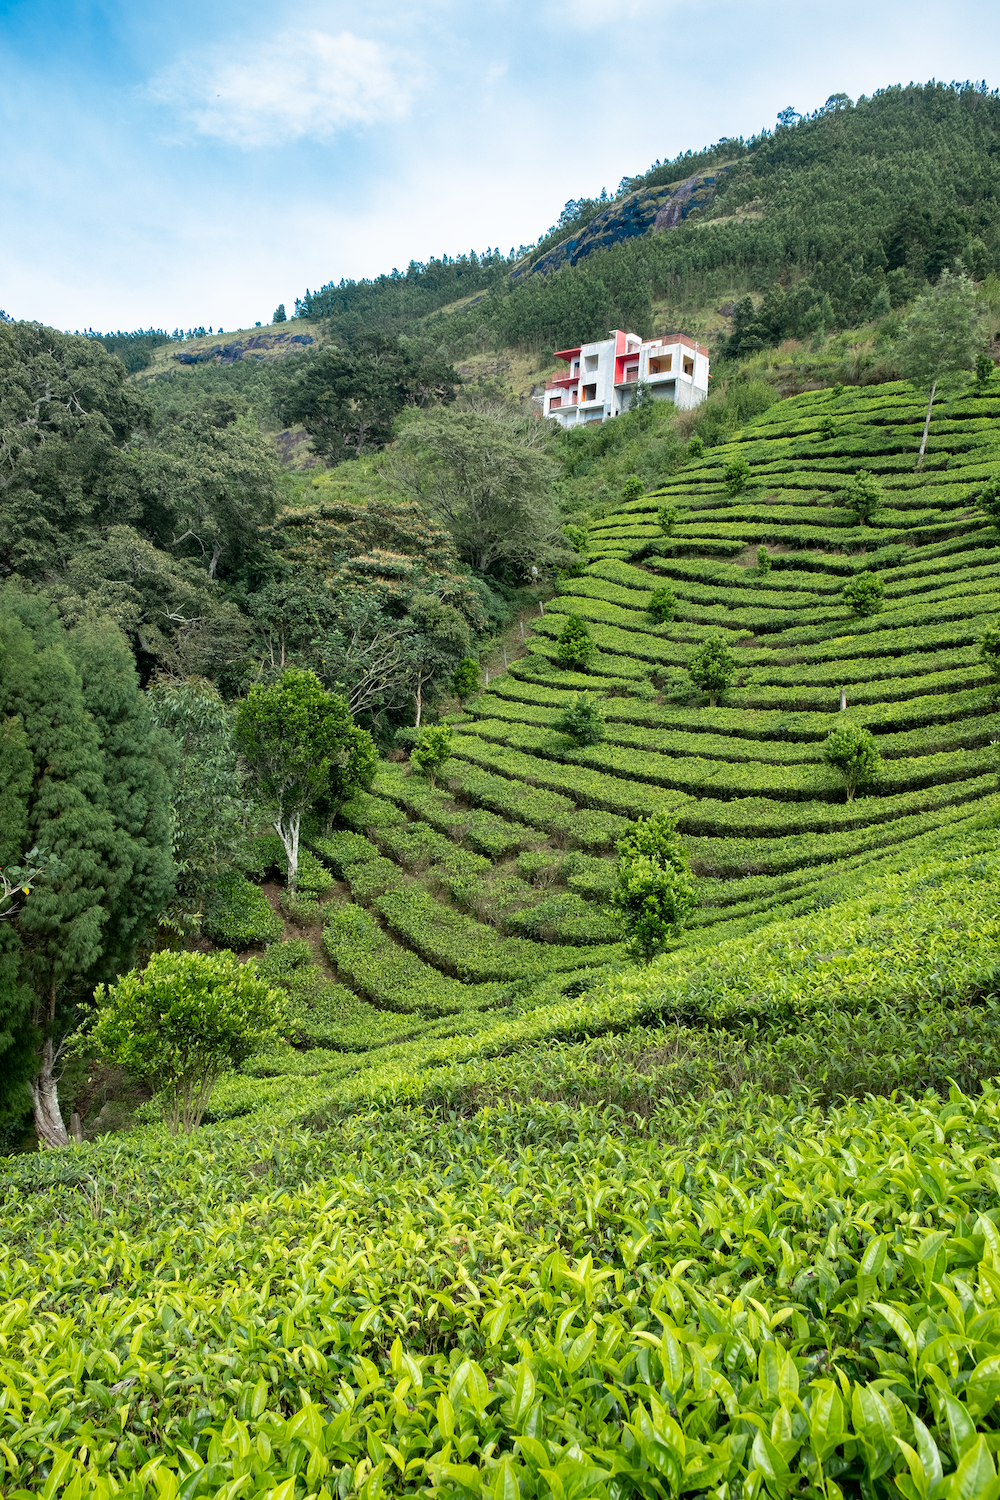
<point>582,721</point>
<point>432,750</point>
<point>663,604</point>
<point>988,501</point>
<point>654,892</point>
<point>712,668</point>
<point>736,475</point>
<point>633,488</point>
<point>300,745</point>
<point>863,594</point>
<point>182,1022</point>
<point>667,517</point>
<point>574,647</point>
<point>465,682</point>
<point>864,496</point>
<point>853,752</point>
<point>989,649</point>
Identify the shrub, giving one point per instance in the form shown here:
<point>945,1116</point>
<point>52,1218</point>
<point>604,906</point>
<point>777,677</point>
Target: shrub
<point>864,496</point>
<point>574,647</point>
<point>663,604</point>
<point>852,751</point>
<point>240,915</point>
<point>988,501</point>
<point>989,648</point>
<point>667,517</point>
<point>712,668</point>
<point>654,892</point>
<point>736,475</point>
<point>827,428</point>
<point>864,594</point>
<point>984,370</point>
<point>763,560</point>
<point>577,538</point>
<point>466,679</point>
<point>183,1021</point>
<point>582,721</point>
<point>432,750</point>
<point>633,488</point>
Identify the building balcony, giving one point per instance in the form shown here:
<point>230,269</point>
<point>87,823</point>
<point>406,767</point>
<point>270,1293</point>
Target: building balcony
<point>561,382</point>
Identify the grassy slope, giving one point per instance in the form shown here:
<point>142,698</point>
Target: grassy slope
<point>512,1219</point>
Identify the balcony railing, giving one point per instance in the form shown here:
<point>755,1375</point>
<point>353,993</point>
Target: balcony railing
<point>561,382</point>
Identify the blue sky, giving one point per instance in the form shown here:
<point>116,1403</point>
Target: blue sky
<point>199,162</point>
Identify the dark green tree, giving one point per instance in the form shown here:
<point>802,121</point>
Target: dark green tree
<point>763,561</point>
<point>574,647</point>
<point>852,752</point>
<point>465,683</point>
<point>667,517</point>
<point>987,500</point>
<point>300,745</point>
<point>347,399</point>
<point>864,594</point>
<point>654,893</point>
<point>984,370</point>
<point>279,314</point>
<point>633,488</point>
<point>712,668</point>
<point>99,802</point>
<point>989,649</point>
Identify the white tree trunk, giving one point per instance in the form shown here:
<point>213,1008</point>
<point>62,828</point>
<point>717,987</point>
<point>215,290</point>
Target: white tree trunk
<point>419,687</point>
<point>287,830</point>
<point>927,428</point>
<point>45,1100</point>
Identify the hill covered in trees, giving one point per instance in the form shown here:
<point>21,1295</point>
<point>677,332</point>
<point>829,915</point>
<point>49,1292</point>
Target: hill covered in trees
<point>600,1101</point>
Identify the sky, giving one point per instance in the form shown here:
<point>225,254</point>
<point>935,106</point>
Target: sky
<point>196,163</point>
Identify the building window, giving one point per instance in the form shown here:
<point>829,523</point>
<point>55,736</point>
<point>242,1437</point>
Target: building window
<point>590,392</point>
<point>590,362</point>
<point>662,365</point>
<point>689,367</point>
<point>632,373</point>
<point>556,401</point>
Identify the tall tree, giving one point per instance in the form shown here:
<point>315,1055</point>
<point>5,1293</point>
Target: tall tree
<point>300,744</point>
<point>942,335</point>
<point>98,800</point>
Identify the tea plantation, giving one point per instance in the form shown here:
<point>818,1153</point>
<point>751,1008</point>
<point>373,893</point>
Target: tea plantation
<point>507,1217</point>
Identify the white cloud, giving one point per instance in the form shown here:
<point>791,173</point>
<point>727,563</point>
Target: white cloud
<point>300,84</point>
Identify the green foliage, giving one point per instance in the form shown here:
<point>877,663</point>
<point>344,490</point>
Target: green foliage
<point>654,894</point>
<point>864,594</point>
<point>465,682</point>
<point>984,370</point>
<point>764,563</point>
<point>712,668</point>
<point>666,518</point>
<point>280,315</point>
<point>736,474</point>
<point>853,753</point>
<point>633,488</point>
<point>574,647</point>
<point>432,749</point>
<point>989,648</point>
<point>238,914</point>
<point>696,446</point>
<point>864,496</point>
<point>941,332</point>
<point>663,604</point>
<point>183,1021</point>
<point>582,720</point>
<point>987,499</point>
<point>301,746</point>
<point>577,538</point>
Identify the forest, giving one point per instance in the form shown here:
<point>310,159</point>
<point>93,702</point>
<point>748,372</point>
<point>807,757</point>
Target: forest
<point>498,925</point>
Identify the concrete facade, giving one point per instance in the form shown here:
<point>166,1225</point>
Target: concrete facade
<point>601,378</point>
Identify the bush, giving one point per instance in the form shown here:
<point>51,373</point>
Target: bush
<point>667,517</point>
<point>654,893</point>
<point>989,649</point>
<point>852,751</point>
<point>582,721</point>
<point>432,750</point>
<point>183,1021</point>
<point>577,538</point>
<point>736,475</point>
<point>465,681</point>
<point>239,915</point>
<point>633,488</point>
<point>864,496</point>
<point>663,604</point>
<point>763,560</point>
<point>988,501</point>
<point>864,594</point>
<point>712,668</point>
<point>696,446</point>
<point>574,647</point>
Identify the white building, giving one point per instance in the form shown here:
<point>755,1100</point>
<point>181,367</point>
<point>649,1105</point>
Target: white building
<point>601,378</point>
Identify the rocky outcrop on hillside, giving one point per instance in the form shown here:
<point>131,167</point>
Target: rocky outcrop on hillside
<point>658,208</point>
<point>259,346</point>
